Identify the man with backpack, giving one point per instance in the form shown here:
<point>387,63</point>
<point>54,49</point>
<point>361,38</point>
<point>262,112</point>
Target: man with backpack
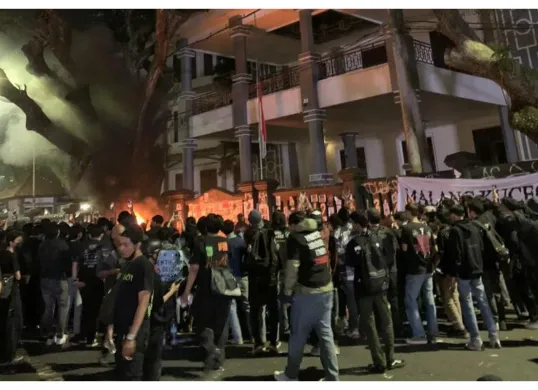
<point>308,282</point>
<point>419,252</point>
<point>391,246</point>
<point>465,247</point>
<point>262,267</point>
<point>371,253</point>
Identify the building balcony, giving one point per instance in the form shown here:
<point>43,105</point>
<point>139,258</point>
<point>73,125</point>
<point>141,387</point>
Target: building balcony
<point>329,66</point>
<point>351,76</point>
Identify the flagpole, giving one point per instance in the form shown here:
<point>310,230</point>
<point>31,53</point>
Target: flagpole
<point>259,117</point>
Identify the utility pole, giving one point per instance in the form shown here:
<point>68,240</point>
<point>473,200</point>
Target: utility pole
<point>403,52</point>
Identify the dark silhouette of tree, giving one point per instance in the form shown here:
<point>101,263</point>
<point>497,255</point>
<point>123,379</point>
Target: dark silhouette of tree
<point>111,69</point>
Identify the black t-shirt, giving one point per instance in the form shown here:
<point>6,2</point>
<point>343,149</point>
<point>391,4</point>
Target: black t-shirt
<point>311,251</point>
<point>9,263</point>
<point>89,256</point>
<point>137,275</point>
<point>420,242</point>
<point>210,251</point>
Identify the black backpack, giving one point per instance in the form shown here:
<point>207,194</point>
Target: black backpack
<point>262,252</point>
<point>374,276</point>
<point>493,243</point>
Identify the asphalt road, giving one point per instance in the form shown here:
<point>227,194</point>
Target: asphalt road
<point>445,361</point>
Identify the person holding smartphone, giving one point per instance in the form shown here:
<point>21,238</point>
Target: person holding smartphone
<point>132,306</point>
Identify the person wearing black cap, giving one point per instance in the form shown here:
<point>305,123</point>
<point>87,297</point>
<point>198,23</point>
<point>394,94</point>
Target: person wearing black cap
<point>371,253</point>
<point>132,305</point>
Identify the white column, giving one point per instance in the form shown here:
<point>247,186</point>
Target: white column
<point>375,157</point>
<point>445,141</point>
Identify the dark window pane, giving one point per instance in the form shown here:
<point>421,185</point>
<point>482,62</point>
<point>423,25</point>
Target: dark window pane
<point>208,180</point>
<point>176,126</point>
<point>374,56</point>
<point>430,149</point>
<point>208,64</point>
<point>193,69</point>
<point>179,181</point>
<point>489,146</point>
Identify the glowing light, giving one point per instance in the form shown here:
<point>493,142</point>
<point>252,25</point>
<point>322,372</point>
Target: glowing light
<point>85,206</point>
<point>46,212</point>
<point>139,219</point>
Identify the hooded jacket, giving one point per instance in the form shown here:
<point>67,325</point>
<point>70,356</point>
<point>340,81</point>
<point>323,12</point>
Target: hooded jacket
<point>464,251</point>
<point>308,267</point>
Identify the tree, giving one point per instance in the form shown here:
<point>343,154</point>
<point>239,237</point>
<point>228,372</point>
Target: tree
<point>108,67</point>
<point>472,55</point>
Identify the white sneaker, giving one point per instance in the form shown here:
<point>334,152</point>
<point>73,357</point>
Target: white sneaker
<point>280,376</point>
<point>61,340</point>
<point>354,334</point>
<point>532,325</point>
<point>109,345</point>
<point>417,341</point>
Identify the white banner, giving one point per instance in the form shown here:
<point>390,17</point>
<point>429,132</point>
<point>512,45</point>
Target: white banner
<point>431,191</point>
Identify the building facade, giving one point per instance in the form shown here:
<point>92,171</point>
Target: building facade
<point>332,98</point>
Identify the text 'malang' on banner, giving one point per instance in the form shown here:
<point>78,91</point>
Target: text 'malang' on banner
<point>431,191</point>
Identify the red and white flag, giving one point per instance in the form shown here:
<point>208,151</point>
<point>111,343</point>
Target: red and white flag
<point>262,128</point>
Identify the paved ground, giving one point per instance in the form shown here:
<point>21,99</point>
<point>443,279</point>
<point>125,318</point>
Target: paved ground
<point>445,361</point>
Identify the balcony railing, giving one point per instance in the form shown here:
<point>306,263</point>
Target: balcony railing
<point>329,66</point>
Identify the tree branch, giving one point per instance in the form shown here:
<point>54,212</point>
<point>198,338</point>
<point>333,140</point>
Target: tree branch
<point>475,57</point>
<point>38,121</point>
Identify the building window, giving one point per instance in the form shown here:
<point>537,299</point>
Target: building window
<point>361,161</point>
<point>208,180</point>
<point>226,63</point>
<point>489,146</point>
<point>208,64</point>
<point>176,127</point>
<point>179,181</point>
<point>430,150</point>
<point>193,68</point>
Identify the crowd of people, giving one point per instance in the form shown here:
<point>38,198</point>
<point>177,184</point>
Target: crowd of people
<point>105,285</point>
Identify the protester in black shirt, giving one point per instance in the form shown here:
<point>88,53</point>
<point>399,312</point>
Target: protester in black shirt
<point>55,268</point>
<point>262,267</point>
<point>465,249</point>
<point>11,321</point>
<point>210,308</point>
<point>371,253</point>
<point>132,306</point>
<point>89,283</point>
<point>31,290</point>
<point>418,247</point>
<point>447,279</point>
<point>156,225</point>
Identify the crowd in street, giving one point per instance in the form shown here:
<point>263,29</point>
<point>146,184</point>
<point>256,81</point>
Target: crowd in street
<point>130,290</point>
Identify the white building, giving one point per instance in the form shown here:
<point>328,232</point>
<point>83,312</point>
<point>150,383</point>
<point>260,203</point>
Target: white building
<point>356,93</point>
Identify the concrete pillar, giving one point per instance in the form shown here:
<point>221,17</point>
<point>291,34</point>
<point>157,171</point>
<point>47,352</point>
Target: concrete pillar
<point>186,97</point>
<point>313,115</point>
<point>350,149</point>
<point>509,136</point>
<point>241,80</point>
